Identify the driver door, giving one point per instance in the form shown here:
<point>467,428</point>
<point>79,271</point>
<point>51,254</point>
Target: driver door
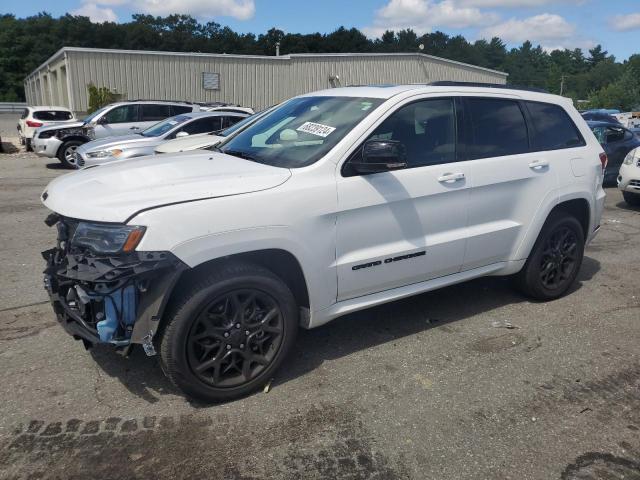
<point>405,226</point>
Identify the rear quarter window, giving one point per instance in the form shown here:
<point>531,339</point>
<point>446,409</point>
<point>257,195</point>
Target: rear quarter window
<point>553,129</point>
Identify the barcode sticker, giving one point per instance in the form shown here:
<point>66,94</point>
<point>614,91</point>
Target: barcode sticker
<point>316,129</point>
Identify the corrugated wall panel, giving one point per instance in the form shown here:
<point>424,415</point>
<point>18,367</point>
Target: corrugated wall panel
<point>255,82</point>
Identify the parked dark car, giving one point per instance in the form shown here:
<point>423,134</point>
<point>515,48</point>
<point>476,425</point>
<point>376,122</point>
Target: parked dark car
<point>617,141</point>
<point>595,116</point>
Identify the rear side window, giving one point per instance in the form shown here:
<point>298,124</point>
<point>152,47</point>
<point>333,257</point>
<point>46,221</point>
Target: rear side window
<point>230,120</point>
<point>25,113</point>
<point>52,115</point>
<point>203,125</point>
<point>498,128</point>
<point>178,109</point>
<point>154,112</point>
<point>553,129</point>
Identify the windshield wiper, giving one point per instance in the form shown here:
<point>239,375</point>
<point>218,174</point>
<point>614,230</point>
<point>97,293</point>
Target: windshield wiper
<point>239,154</point>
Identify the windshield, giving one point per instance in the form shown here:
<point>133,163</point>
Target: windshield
<point>88,118</point>
<point>301,131</point>
<point>164,126</point>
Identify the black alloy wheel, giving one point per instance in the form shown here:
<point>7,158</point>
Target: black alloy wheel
<point>227,330</point>
<point>555,260</point>
<point>235,338</point>
<point>559,258</point>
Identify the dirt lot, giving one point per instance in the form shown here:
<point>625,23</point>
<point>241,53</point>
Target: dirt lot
<point>425,388</point>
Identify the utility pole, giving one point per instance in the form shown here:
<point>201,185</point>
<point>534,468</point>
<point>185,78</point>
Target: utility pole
<point>562,84</point>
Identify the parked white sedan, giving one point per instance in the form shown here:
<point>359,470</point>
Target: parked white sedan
<point>629,178</point>
<point>33,118</point>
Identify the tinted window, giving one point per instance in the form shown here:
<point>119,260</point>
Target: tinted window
<point>230,120</point>
<point>203,125</point>
<point>427,129</point>
<point>178,109</point>
<point>497,128</point>
<point>552,127</point>
<point>25,113</point>
<point>53,115</point>
<point>614,134</point>
<point>122,114</point>
<point>153,113</point>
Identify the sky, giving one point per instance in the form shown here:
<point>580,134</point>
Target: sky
<point>551,23</point>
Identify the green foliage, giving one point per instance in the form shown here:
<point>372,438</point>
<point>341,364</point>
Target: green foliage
<point>27,42</point>
<point>99,97</point>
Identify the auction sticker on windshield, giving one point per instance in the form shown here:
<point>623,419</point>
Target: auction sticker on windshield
<point>316,129</point>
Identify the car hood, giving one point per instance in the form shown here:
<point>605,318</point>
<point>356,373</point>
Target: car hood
<point>61,125</point>
<point>115,192</point>
<point>122,142</point>
<point>185,144</point>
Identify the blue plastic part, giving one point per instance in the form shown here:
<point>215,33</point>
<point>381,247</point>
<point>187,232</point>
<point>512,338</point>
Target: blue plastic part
<point>123,301</point>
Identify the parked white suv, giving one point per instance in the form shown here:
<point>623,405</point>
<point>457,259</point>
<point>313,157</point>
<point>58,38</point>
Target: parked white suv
<point>33,118</point>
<point>116,119</point>
<point>360,196</point>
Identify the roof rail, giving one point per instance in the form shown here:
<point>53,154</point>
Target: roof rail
<point>157,100</point>
<point>447,83</point>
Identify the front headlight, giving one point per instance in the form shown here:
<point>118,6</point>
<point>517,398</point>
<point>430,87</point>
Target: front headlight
<point>104,153</point>
<point>107,238</point>
<point>631,156</point>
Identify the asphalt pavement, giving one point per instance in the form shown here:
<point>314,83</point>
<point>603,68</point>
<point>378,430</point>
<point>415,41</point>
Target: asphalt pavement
<point>469,382</point>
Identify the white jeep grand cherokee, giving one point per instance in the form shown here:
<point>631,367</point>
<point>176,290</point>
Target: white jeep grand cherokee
<point>333,202</point>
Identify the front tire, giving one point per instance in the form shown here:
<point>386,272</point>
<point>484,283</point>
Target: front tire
<point>228,332</point>
<point>632,199</point>
<point>555,259</point>
<point>67,151</point>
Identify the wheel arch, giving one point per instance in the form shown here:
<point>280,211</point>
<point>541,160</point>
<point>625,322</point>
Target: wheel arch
<point>576,205</point>
<point>70,138</point>
<point>279,261</point>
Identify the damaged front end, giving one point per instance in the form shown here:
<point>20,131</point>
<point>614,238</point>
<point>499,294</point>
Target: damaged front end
<point>99,297</point>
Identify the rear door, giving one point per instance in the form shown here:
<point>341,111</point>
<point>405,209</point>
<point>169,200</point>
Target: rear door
<point>150,114</point>
<point>518,149</point>
<point>405,226</point>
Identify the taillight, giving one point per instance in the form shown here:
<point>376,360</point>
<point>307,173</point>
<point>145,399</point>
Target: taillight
<point>604,160</point>
<point>32,124</point>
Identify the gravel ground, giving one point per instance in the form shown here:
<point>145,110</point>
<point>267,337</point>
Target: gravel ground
<point>424,388</point>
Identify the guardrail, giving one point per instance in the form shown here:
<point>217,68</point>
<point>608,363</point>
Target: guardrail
<point>12,107</point>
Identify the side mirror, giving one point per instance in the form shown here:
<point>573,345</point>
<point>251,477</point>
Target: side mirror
<point>181,134</point>
<point>381,156</point>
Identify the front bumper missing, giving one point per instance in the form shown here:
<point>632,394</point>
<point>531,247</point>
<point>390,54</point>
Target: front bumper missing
<point>116,299</point>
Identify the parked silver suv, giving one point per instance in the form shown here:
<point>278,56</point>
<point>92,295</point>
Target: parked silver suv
<point>121,118</point>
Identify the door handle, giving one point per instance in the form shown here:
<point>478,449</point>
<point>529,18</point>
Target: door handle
<point>539,164</point>
<point>134,128</point>
<point>451,177</point>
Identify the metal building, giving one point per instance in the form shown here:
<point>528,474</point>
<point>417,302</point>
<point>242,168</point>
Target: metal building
<point>248,80</point>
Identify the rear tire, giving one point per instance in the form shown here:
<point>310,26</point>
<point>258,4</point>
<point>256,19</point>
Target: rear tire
<point>632,199</point>
<point>555,260</point>
<point>27,145</point>
<point>228,332</point>
<point>66,151</point>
